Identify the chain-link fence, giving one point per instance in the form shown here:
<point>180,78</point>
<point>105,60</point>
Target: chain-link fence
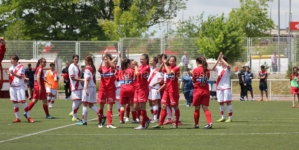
<point>257,51</point>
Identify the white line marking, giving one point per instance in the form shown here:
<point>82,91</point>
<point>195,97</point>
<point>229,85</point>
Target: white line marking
<point>196,134</point>
<point>43,131</point>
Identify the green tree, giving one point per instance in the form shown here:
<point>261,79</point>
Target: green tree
<point>188,28</point>
<point>129,23</point>
<point>253,17</point>
<point>75,19</point>
<point>219,34</point>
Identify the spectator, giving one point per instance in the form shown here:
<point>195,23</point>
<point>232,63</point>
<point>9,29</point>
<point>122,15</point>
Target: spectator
<point>29,74</point>
<point>263,75</point>
<point>66,81</point>
<point>188,87</point>
<point>274,62</point>
<point>247,78</point>
<point>185,60</point>
<point>240,76</point>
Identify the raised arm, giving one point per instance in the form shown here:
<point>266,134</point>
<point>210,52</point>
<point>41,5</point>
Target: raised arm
<point>218,60</point>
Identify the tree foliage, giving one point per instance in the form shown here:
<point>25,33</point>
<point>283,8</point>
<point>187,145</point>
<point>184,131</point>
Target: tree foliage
<point>75,19</point>
<point>253,16</point>
<point>219,34</point>
<point>188,28</point>
<point>129,23</point>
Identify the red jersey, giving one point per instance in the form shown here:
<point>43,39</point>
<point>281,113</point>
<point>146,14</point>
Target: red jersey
<point>292,76</point>
<point>41,77</point>
<point>200,79</point>
<point>107,78</point>
<point>126,76</point>
<point>142,75</point>
<point>263,74</point>
<point>172,84</point>
<point>2,49</point>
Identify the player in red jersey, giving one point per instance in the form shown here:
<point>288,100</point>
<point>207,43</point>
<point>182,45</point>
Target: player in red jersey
<point>171,94</point>
<point>201,93</point>
<point>39,89</point>
<point>294,85</point>
<point>141,90</point>
<point>17,87</point>
<point>126,76</point>
<point>107,88</point>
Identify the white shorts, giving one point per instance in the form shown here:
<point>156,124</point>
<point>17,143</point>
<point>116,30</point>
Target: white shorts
<point>153,94</point>
<point>52,91</point>
<point>91,98</point>
<point>17,94</point>
<point>117,93</point>
<point>224,96</point>
<point>76,95</point>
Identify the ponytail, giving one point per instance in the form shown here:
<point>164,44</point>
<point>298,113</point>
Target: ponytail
<point>202,60</point>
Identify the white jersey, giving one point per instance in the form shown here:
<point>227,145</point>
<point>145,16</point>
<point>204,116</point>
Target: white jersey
<point>154,77</point>
<point>89,75</point>
<point>75,72</point>
<point>15,81</point>
<point>223,80</point>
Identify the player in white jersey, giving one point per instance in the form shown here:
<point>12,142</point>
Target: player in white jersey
<point>89,97</point>
<point>16,75</point>
<point>76,86</point>
<point>223,88</point>
<point>154,80</point>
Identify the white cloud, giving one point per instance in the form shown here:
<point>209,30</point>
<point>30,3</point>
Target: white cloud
<point>217,7</point>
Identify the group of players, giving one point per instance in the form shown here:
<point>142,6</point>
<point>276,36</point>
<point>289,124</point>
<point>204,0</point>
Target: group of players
<point>129,85</point>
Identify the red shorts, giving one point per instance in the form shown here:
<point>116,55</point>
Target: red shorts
<point>201,98</point>
<point>294,90</point>
<point>141,95</point>
<point>126,95</point>
<point>106,96</point>
<point>37,95</point>
<point>170,99</point>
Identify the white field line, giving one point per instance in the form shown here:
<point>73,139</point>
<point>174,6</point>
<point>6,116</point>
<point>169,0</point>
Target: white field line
<point>196,134</point>
<point>44,131</point>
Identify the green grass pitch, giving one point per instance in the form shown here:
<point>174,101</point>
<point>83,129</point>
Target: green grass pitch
<point>256,125</point>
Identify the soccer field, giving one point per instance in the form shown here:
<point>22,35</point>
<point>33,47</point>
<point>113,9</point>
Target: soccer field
<point>256,125</point>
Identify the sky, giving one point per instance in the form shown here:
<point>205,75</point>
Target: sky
<point>217,7</point>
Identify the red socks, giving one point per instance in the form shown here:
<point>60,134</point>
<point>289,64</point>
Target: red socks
<point>134,115</point>
<point>128,112</point>
<point>45,106</point>
<point>162,116</point>
<point>100,115</point>
<point>29,107</point>
<point>109,117</point>
<point>196,117</point>
<point>208,116</point>
<point>121,115</point>
<point>177,116</point>
<point>144,117</point>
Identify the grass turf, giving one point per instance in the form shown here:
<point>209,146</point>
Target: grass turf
<point>256,125</point>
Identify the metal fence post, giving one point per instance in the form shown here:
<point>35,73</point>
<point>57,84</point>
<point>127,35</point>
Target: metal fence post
<point>77,49</point>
